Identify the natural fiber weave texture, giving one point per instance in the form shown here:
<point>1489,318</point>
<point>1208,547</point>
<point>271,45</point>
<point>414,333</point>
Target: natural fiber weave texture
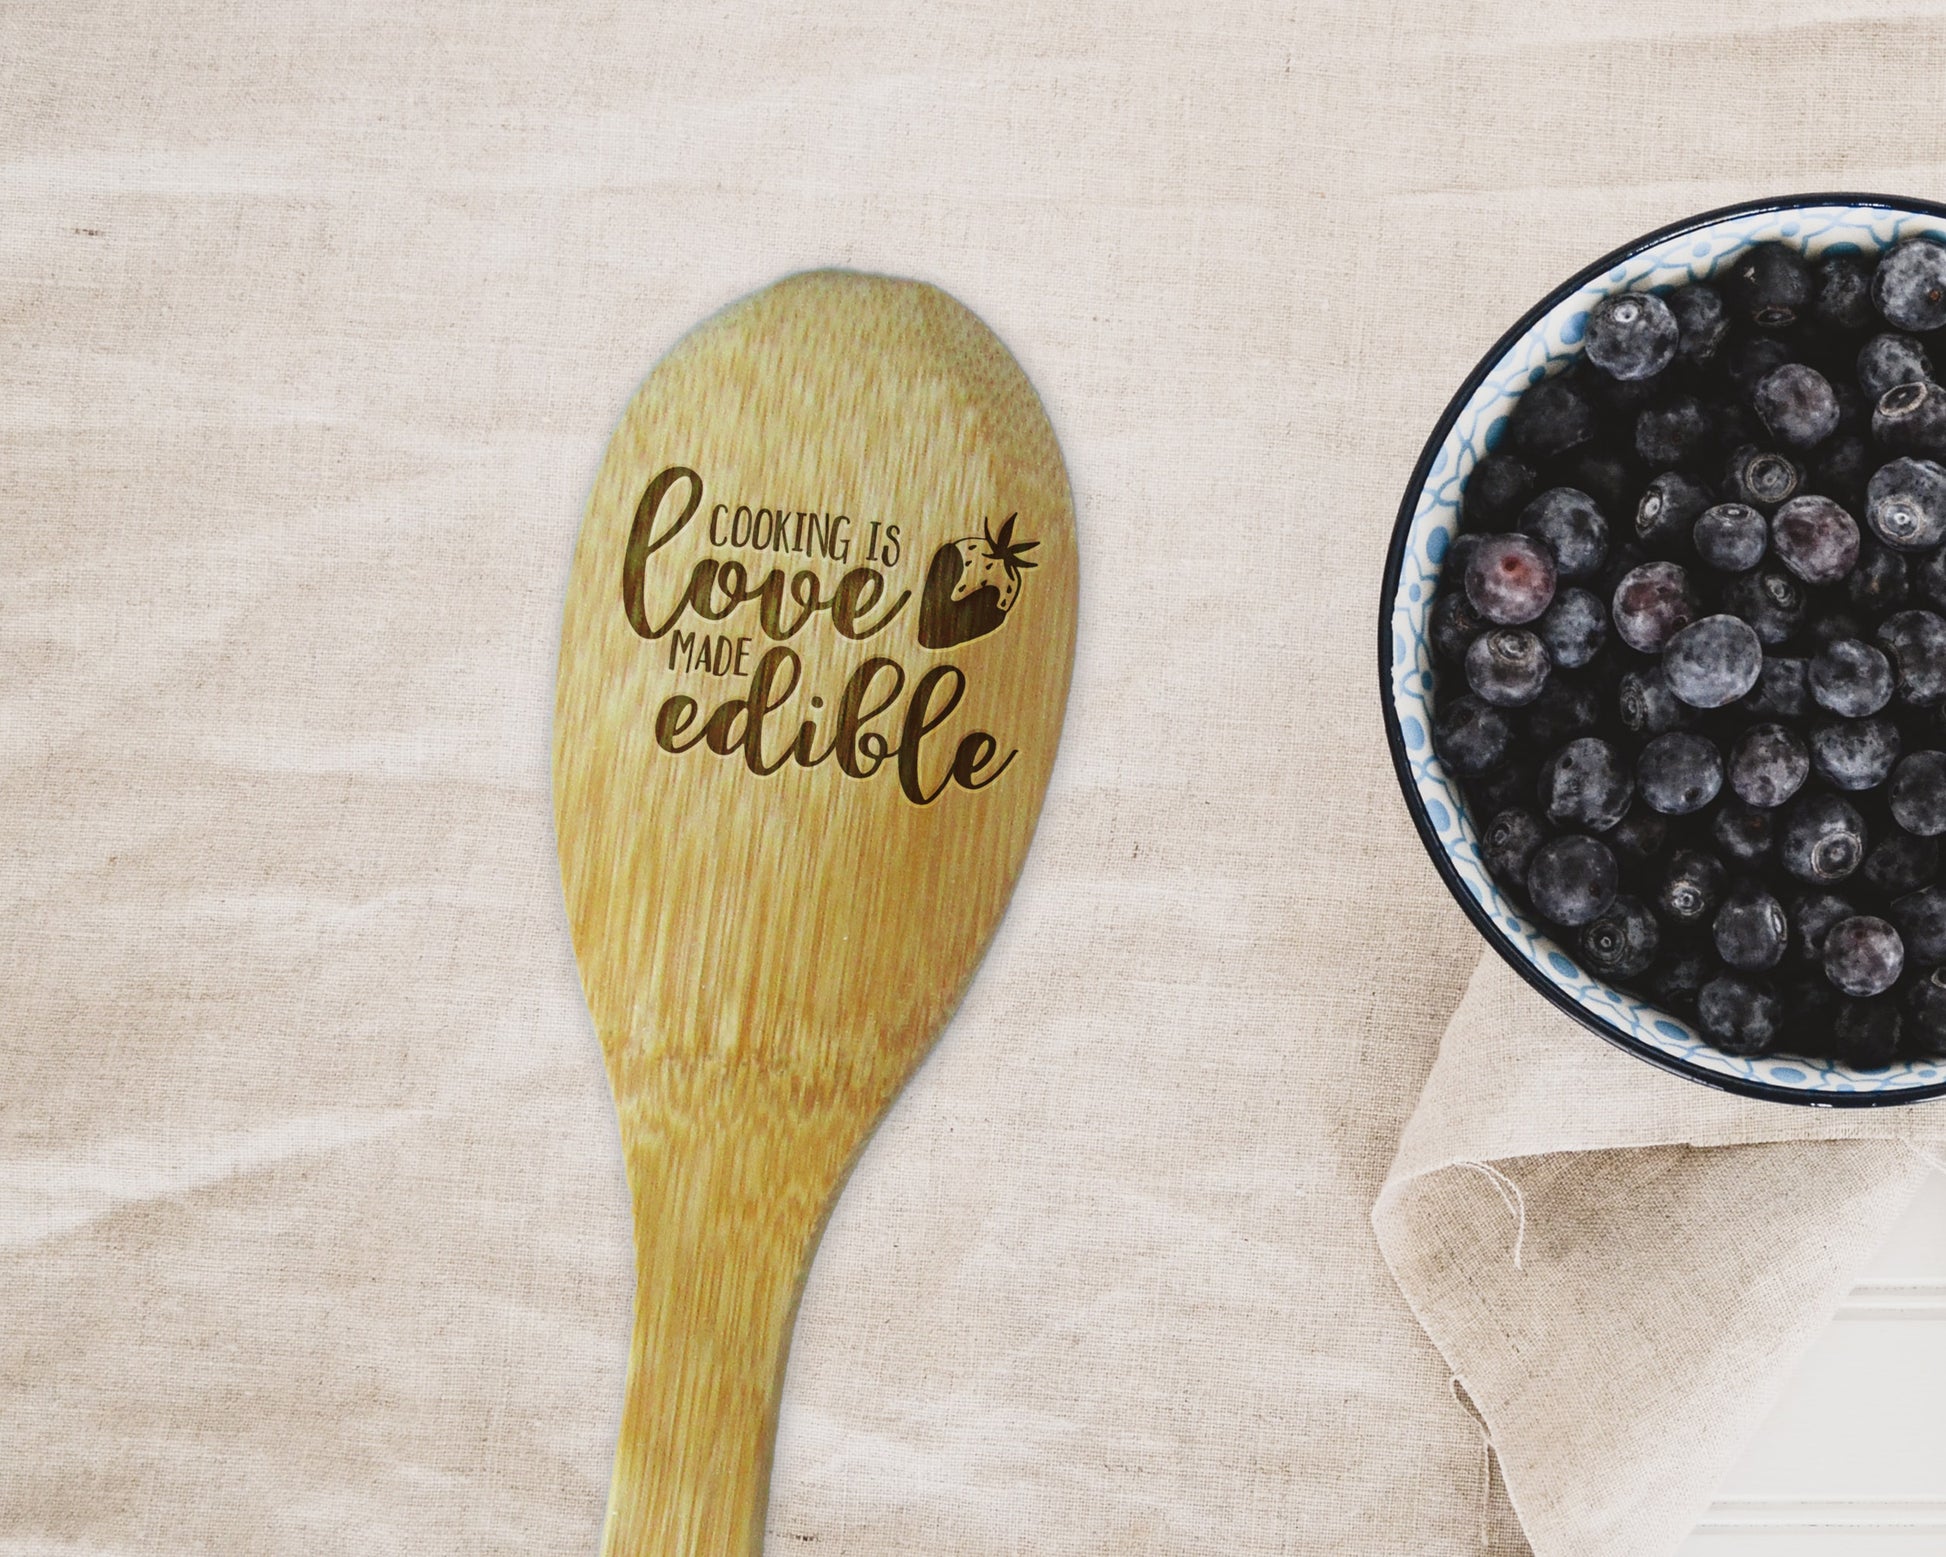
<point>313,1234</point>
<point>1623,1267</point>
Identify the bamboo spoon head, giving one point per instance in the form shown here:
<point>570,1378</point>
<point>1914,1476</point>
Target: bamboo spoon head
<point>815,653</point>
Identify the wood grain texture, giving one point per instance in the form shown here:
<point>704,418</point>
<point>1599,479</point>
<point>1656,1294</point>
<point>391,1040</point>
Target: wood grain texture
<point>814,658</point>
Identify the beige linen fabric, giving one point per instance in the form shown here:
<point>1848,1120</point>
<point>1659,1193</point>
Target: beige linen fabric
<point>1622,1268</point>
<point>313,1233</point>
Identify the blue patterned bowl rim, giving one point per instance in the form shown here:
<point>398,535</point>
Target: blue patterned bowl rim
<point>1544,342</point>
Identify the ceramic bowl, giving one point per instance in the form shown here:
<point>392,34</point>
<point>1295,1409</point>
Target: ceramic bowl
<point>1545,342</point>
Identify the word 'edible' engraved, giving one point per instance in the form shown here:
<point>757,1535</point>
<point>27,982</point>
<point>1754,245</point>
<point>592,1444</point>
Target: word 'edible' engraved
<point>738,725</point>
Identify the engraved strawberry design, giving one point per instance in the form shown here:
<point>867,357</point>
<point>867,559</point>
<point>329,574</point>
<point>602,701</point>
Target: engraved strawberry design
<point>972,585</point>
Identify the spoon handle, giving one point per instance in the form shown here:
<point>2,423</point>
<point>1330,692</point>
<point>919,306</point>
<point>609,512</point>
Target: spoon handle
<point>732,1173</point>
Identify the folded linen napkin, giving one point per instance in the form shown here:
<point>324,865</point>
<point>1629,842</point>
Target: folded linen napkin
<point>1622,1266</point>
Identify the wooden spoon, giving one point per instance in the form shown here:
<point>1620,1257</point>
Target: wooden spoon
<point>815,653</point>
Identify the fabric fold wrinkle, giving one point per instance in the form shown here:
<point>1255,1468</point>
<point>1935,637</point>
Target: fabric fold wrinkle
<point>1622,1267</point>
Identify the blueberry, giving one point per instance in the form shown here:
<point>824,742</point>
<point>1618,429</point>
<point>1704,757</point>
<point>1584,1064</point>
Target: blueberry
<point>1832,627</point>
<point>1652,604</point>
<point>1761,477</point>
<point>1925,1028</point>
<point>1909,285</point>
<point>1621,941</point>
<point>1770,600</point>
<point>1678,432</point>
<point>1841,468</point>
<point>1841,297</point>
<point>1797,404</point>
<point>1900,863</point>
<point>1815,538</point>
<point>1509,844</point>
<point>1508,667</point>
<point>1678,773</point>
<point>1865,1033</point>
<point>1569,524</point>
<point>1471,736</point>
<point>1632,335</point>
<point>1810,1007</point>
<point>1731,536</point>
<point>1770,286</point>
<point>1812,914</point>
<point>1496,491</point>
<point>1916,641</point>
<point>1701,322</point>
<point>1713,662</point>
<point>1611,478</point>
<point>1639,837</point>
<point>1586,784</point>
<point>1881,581</point>
<point>1605,673</point>
<point>1750,930</point>
<point>1573,629</point>
<point>1691,887</point>
<point>1743,834</point>
<point>1571,880</point>
<point>1854,411</point>
<point>1647,706</point>
<point>1459,557</point>
<point>1669,508</point>
<point>1622,561</point>
<point>1854,754</point>
<point>1823,840</point>
<point>1847,677</point>
<point>1768,765</point>
<point>1510,579</point>
<point>1752,359</point>
<point>1888,360</point>
<point>1917,793</point>
<point>1921,920</point>
<point>1911,419</point>
<point>1735,423</point>
<point>1863,956</point>
<point>1784,688</point>
<point>1564,710</point>
<point>1454,625</point>
<point>1905,504</point>
<point>1618,398</point>
<point>1739,1015</point>
<point>1930,578</point>
<point>1510,784</point>
<point>1675,982</point>
<point>1550,419</point>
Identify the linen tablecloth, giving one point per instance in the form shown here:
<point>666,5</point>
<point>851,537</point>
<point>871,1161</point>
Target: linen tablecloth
<point>313,1231</point>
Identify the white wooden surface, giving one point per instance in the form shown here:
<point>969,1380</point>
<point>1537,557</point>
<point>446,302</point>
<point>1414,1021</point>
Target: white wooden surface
<point>1852,1463</point>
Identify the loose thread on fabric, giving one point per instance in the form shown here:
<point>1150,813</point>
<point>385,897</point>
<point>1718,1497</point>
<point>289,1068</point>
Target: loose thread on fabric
<point>1510,1197</point>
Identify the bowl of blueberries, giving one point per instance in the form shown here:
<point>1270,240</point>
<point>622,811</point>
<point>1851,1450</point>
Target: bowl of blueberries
<point>1662,647</point>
